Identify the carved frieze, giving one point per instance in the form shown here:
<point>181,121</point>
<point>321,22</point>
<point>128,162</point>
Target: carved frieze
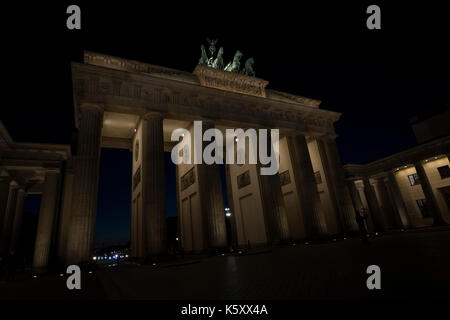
<point>230,81</point>
<point>97,85</point>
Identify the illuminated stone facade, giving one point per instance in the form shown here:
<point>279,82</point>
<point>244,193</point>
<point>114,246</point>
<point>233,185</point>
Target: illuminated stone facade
<point>120,103</point>
<point>410,189</point>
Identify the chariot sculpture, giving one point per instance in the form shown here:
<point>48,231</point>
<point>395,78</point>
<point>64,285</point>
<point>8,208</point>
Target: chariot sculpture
<point>217,62</point>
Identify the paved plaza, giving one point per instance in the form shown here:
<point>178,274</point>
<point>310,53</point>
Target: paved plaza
<point>413,264</point>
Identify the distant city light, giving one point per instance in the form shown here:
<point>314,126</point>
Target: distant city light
<point>227,209</point>
<point>94,258</point>
<point>176,238</point>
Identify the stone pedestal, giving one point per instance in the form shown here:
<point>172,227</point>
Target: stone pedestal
<point>153,197</point>
<point>309,198</point>
<point>431,204</point>
<point>85,187</point>
<point>47,216</point>
<point>346,211</point>
<point>18,217</point>
<point>210,187</point>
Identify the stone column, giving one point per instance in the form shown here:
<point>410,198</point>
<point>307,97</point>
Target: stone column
<point>65,215</point>
<point>18,217</point>
<point>354,193</point>
<point>309,198</point>
<point>329,177</point>
<point>153,193</point>
<point>399,205</point>
<point>234,236</point>
<point>389,215</point>
<point>346,211</point>
<point>46,222</point>
<point>4,191</point>
<point>8,218</point>
<point>85,187</point>
<point>374,206</point>
<point>213,211</point>
<point>431,203</point>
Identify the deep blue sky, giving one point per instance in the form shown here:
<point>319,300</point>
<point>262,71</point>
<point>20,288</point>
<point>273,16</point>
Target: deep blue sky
<point>376,79</point>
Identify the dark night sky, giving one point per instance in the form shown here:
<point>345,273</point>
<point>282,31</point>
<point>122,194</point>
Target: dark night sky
<point>377,79</point>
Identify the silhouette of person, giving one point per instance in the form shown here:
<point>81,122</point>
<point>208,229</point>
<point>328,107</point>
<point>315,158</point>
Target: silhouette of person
<point>360,217</point>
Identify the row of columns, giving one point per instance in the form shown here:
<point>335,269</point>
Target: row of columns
<point>12,200</point>
<point>76,222</point>
<point>389,211</point>
<point>12,205</point>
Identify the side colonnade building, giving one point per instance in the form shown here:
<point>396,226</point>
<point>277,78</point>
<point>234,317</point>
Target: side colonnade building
<point>409,189</point>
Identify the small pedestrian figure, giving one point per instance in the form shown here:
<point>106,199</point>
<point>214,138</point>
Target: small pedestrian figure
<point>360,217</point>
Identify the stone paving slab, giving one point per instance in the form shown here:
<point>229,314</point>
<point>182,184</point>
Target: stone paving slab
<point>413,265</point>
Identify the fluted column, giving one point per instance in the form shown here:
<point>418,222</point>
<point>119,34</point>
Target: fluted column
<point>402,216</point>
<point>154,205</point>
<point>389,215</point>
<point>65,215</point>
<point>213,211</point>
<point>18,217</point>
<point>354,193</point>
<point>309,198</point>
<point>431,203</point>
<point>4,191</point>
<point>85,187</point>
<point>346,211</point>
<point>234,235</point>
<point>374,206</point>
<point>47,216</point>
<point>8,218</point>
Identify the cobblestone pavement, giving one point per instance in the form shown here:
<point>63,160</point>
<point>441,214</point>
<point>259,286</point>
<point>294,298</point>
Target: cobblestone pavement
<point>413,264</point>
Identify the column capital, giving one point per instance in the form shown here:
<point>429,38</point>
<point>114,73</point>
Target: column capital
<point>13,185</point>
<point>93,106</point>
<point>294,134</point>
<point>328,137</point>
<point>152,115</point>
<point>52,170</point>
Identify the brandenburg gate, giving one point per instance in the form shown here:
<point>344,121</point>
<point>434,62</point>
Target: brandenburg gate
<point>120,103</point>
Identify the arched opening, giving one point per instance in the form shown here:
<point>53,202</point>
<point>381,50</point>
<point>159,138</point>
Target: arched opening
<point>112,227</point>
